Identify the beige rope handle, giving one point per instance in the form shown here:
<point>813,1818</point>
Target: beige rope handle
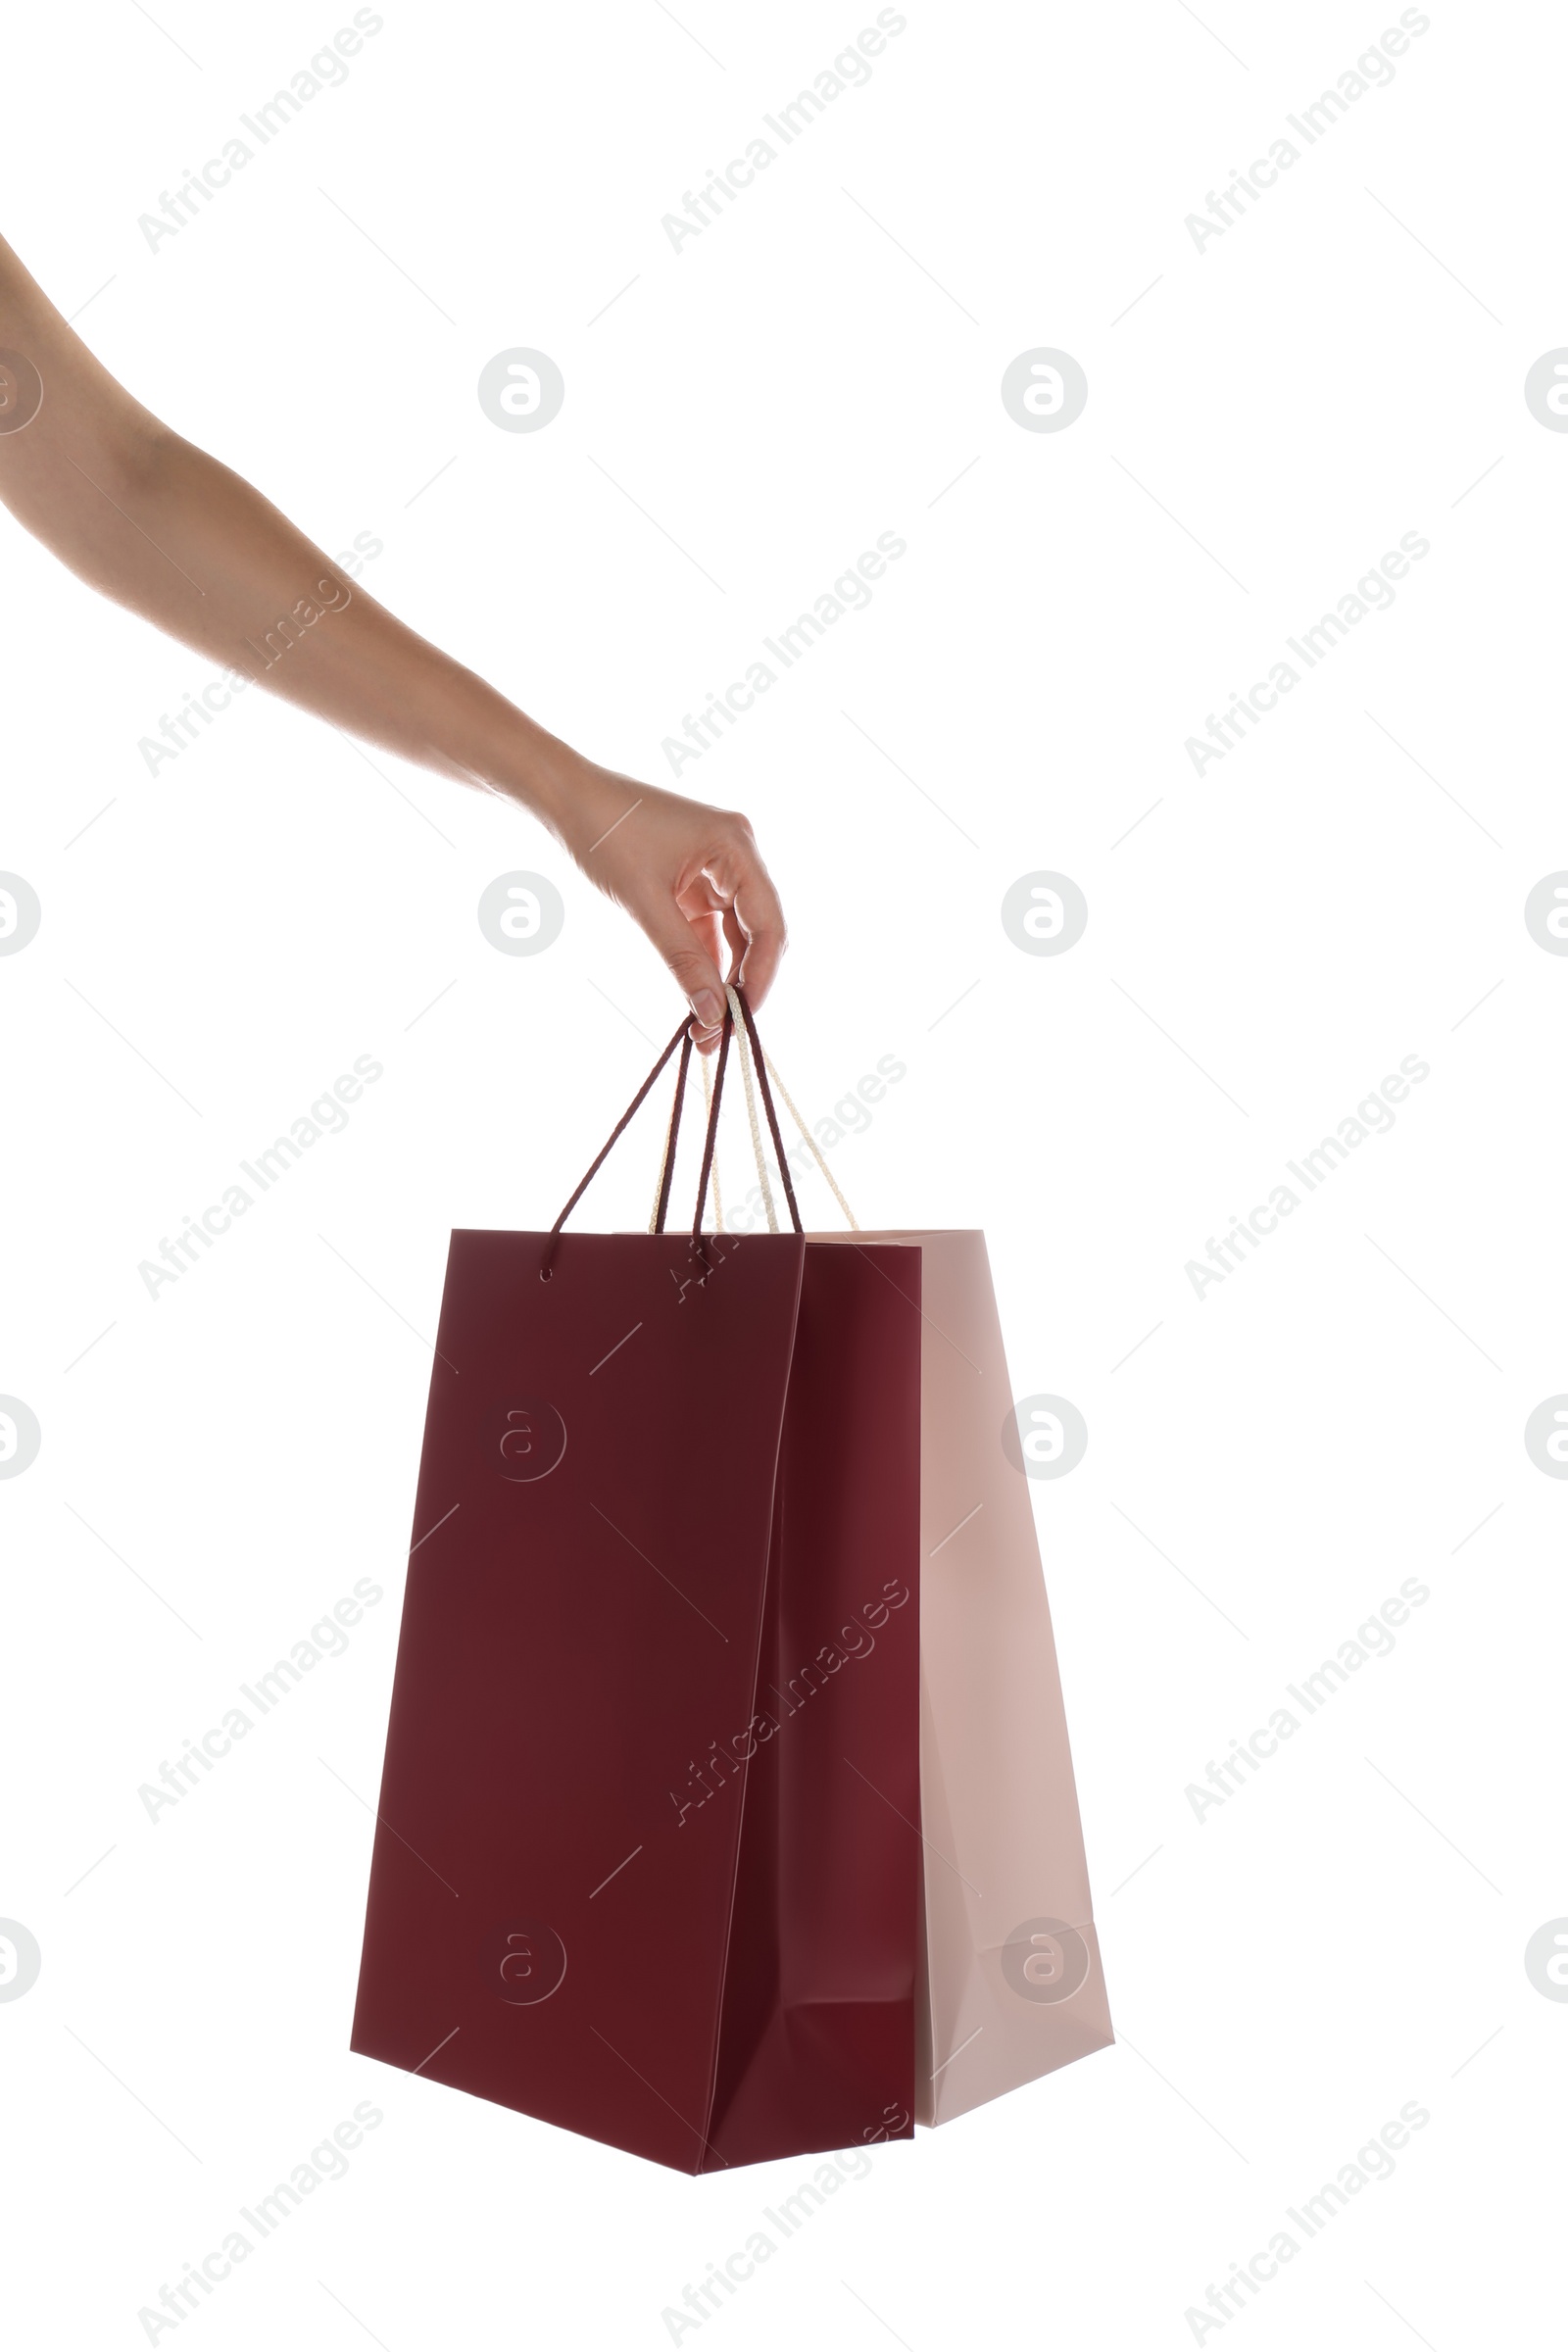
<point>748,1082</point>
<point>746,1070</point>
<point>810,1139</point>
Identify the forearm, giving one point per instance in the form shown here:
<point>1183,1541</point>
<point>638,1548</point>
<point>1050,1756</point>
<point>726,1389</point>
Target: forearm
<point>153,521</point>
<point>182,539</point>
<point>148,518</point>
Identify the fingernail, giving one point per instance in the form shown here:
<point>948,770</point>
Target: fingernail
<point>707,1008</point>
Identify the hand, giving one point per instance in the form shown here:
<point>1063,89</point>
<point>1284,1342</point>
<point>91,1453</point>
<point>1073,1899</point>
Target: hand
<point>691,876</point>
<point>159,526</point>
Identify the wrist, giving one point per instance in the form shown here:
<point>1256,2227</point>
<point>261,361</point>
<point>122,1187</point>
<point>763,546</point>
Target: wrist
<point>511,755</point>
<point>476,735</point>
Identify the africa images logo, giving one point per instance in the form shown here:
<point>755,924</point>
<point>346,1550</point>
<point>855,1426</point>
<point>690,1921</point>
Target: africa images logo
<point>524,1962</point>
<point>21,391</point>
<point>1045,1960</point>
<point>524,1438</point>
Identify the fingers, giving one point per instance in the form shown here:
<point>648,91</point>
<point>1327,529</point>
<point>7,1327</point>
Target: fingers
<point>691,966</point>
<point>713,908</point>
<point>754,923</point>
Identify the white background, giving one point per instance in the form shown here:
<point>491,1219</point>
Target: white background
<point>1341,367</point>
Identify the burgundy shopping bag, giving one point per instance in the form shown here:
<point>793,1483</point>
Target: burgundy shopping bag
<point>647,1861</point>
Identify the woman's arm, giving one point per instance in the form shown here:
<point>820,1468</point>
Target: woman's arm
<point>156,524</point>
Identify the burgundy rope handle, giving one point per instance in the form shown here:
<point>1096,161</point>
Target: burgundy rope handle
<point>674,1133</point>
<point>546,1266</point>
<point>683,1039</point>
<point>711,1137</point>
<point>759,1064</point>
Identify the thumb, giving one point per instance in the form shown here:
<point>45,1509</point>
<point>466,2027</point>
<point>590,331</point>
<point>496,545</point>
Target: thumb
<point>695,974</point>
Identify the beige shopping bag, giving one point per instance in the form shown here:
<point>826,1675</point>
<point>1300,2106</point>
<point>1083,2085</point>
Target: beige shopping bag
<point>1011,1985</point>
<point>1012,1980</point>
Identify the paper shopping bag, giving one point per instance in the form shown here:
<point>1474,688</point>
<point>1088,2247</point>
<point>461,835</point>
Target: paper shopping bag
<point>647,1858</point>
<point>1012,1986</point>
